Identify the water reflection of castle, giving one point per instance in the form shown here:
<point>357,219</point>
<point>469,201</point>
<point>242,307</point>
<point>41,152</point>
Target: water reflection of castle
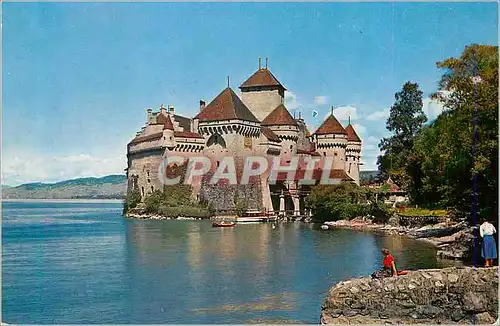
<point>256,123</point>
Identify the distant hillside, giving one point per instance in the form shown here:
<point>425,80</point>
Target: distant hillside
<point>108,187</point>
<point>366,176</point>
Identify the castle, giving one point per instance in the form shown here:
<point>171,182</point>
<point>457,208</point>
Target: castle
<point>255,123</point>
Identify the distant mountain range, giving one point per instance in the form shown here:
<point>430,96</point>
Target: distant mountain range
<point>108,187</point>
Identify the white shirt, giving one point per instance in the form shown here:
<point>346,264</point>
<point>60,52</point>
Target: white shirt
<point>486,229</point>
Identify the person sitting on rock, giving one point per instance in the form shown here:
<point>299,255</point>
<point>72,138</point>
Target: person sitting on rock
<point>389,266</point>
<point>489,247</point>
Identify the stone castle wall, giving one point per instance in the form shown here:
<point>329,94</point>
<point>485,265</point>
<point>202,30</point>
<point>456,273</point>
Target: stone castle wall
<point>145,165</point>
<point>449,295</point>
<point>262,102</point>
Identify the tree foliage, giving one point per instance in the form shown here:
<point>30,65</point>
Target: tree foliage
<point>175,201</point>
<point>460,147</point>
<point>338,202</point>
<point>132,199</point>
<point>453,152</point>
<point>405,122</point>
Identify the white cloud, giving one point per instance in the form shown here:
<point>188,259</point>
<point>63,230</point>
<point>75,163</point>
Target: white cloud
<point>291,101</point>
<point>320,100</point>
<point>360,130</point>
<point>343,112</point>
<point>432,108</point>
<point>369,163</point>
<point>26,167</point>
<point>369,152</point>
<point>378,115</point>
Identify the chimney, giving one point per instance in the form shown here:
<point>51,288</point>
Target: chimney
<point>171,109</point>
<point>162,109</point>
<point>202,105</point>
<point>148,115</point>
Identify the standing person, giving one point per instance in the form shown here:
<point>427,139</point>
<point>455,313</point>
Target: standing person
<point>389,266</point>
<point>489,247</point>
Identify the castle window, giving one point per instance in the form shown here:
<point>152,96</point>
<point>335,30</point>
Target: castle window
<point>324,153</point>
<point>142,191</point>
<point>291,146</point>
<point>148,173</point>
<point>164,138</point>
<point>149,180</point>
<point>171,138</point>
<point>152,189</point>
<point>218,163</point>
<point>335,154</point>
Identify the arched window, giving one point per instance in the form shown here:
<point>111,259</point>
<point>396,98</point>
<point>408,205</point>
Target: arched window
<point>216,139</point>
<point>142,191</point>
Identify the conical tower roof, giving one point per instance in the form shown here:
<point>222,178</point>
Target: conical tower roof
<point>163,119</point>
<point>279,117</point>
<point>351,134</point>
<point>331,126</point>
<point>262,78</point>
<point>226,106</point>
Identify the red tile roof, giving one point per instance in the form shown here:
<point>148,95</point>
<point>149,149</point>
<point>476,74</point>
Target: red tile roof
<point>162,119</point>
<point>270,134</point>
<point>187,134</point>
<point>262,77</point>
<point>331,126</point>
<point>140,139</point>
<point>226,106</point>
<point>351,134</point>
<point>279,117</point>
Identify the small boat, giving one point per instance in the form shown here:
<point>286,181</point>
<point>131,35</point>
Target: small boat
<point>223,224</point>
<point>324,227</point>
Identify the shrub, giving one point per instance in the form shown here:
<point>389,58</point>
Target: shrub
<point>338,202</point>
<point>176,201</point>
<point>132,199</point>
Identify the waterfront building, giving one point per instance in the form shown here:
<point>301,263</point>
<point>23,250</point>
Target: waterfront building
<point>256,123</point>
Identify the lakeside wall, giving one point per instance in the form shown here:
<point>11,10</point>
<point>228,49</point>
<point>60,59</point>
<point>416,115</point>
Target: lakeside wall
<point>450,295</point>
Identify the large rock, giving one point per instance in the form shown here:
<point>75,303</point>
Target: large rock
<point>437,230</point>
<point>460,245</point>
<point>449,295</point>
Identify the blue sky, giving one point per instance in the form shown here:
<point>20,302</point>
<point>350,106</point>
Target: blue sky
<point>77,77</point>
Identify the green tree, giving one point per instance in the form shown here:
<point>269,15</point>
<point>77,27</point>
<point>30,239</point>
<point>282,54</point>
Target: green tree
<point>445,148</point>
<point>338,202</point>
<point>405,121</point>
<point>132,199</point>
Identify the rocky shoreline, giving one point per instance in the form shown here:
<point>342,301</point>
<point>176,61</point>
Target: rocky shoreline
<point>452,295</point>
<point>454,240</point>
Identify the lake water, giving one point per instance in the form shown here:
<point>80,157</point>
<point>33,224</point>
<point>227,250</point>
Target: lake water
<point>80,263</point>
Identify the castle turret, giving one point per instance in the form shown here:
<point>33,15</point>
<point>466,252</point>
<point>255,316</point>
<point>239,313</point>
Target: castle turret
<point>353,153</point>
<point>226,121</point>
<point>331,140</point>
<point>262,93</point>
<point>285,127</point>
<point>168,130</point>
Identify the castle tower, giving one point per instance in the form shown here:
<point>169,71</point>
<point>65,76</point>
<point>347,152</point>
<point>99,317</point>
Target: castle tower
<point>353,153</point>
<point>226,121</point>
<point>262,93</point>
<point>168,139</point>
<point>331,140</point>
<point>285,127</point>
